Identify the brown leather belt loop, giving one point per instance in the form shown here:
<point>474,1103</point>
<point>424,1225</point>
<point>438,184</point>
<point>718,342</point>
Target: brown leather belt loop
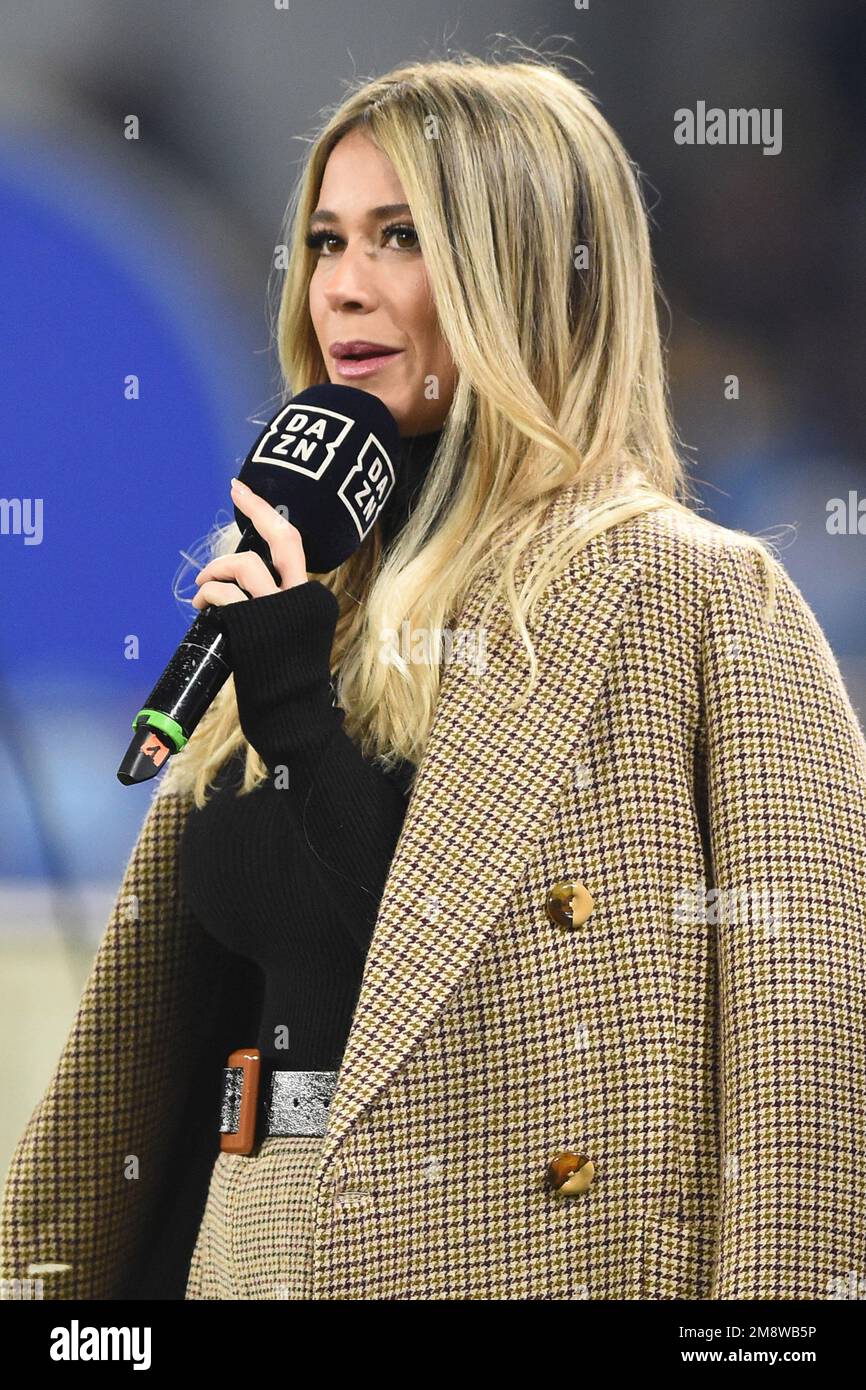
<point>243,1140</point>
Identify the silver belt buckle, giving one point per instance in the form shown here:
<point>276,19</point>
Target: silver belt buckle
<point>297,1102</point>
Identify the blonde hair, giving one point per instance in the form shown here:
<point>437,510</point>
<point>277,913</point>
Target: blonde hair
<point>508,168</point>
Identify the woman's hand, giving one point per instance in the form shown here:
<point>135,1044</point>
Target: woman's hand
<point>249,569</point>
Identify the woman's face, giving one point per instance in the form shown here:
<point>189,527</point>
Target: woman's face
<point>370,285</point>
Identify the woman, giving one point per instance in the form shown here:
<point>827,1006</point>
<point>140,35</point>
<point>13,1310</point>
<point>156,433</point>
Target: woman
<point>567,1074</point>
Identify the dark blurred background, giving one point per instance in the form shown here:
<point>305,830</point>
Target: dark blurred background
<point>152,257</point>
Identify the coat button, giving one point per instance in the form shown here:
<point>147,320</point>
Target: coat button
<point>569,903</point>
<point>569,1173</point>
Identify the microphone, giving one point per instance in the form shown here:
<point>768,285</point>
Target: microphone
<point>327,460</point>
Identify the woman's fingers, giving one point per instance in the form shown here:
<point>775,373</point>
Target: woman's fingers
<point>247,569</point>
<point>250,574</point>
<point>219,595</point>
<point>284,539</point>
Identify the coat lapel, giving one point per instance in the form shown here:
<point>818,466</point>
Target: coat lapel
<point>482,796</point>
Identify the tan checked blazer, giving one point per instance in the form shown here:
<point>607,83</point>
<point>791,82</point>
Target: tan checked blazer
<point>700,1036</point>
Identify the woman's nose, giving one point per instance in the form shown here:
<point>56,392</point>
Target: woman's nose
<point>352,279</point>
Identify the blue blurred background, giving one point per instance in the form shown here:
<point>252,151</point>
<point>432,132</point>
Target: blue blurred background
<point>151,258</point>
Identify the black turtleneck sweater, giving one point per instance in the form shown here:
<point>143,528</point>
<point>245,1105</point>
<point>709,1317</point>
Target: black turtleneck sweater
<point>290,876</point>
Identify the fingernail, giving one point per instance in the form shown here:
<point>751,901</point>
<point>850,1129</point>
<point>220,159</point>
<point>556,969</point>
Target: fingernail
<point>242,487</point>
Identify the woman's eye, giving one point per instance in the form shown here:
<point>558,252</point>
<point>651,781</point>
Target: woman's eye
<point>318,240</point>
<point>402,229</point>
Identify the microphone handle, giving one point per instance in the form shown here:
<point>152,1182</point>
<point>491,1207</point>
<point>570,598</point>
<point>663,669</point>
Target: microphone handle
<point>187,687</point>
<point>201,665</point>
<point>193,677</point>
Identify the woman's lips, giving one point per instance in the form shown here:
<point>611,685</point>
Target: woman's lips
<point>363,366</point>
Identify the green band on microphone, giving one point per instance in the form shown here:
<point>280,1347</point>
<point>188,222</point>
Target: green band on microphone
<point>155,719</point>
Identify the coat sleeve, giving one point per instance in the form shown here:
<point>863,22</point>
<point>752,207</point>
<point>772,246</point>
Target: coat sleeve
<point>786,788</point>
<point>82,1193</point>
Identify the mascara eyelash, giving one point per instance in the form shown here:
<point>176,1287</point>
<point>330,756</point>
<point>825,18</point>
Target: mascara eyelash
<point>315,240</point>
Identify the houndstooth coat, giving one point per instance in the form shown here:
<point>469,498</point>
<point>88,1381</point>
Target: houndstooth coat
<point>700,1036</point>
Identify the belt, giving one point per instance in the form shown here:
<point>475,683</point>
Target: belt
<point>289,1102</point>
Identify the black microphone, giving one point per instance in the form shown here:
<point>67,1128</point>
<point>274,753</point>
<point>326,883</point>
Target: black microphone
<point>327,461</point>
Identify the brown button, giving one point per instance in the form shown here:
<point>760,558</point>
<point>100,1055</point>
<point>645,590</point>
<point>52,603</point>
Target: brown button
<point>569,903</point>
<point>569,1173</point>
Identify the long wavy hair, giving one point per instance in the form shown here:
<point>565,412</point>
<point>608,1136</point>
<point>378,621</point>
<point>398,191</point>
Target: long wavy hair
<point>509,170</point>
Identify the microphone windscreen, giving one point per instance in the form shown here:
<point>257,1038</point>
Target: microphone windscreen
<point>328,460</point>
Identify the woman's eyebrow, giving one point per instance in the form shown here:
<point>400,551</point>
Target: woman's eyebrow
<point>385,210</point>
